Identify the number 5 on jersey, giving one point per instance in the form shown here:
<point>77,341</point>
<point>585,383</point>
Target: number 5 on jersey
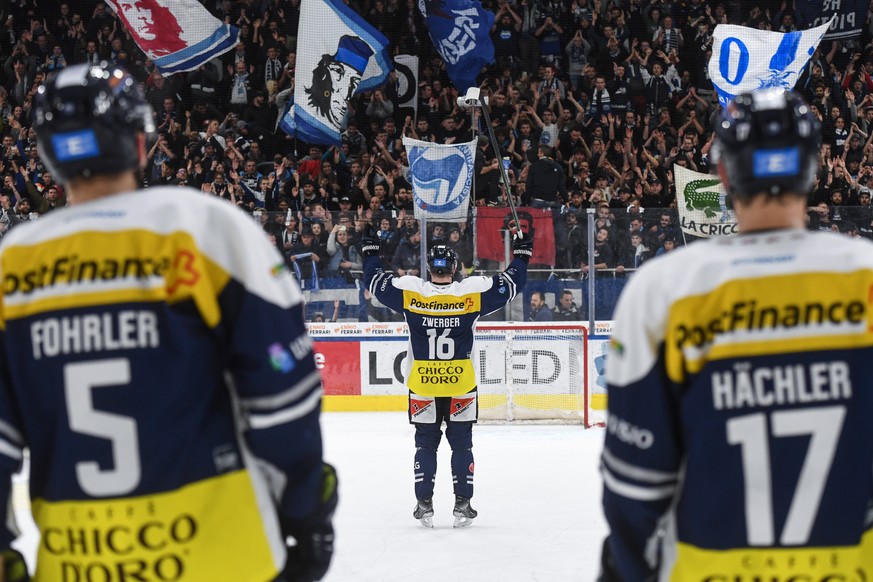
<point>79,381</point>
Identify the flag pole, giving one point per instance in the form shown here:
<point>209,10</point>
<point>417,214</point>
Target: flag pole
<point>472,99</point>
<point>422,245</point>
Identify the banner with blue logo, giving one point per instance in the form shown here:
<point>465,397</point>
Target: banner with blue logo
<point>460,32</point>
<point>178,35</point>
<point>339,54</point>
<point>845,17</point>
<point>745,59</point>
<point>442,177</point>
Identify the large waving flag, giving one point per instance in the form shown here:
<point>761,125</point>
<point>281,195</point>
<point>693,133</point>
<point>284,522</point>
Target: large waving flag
<point>338,54</point>
<point>459,30</point>
<point>702,204</point>
<point>441,176</point>
<point>745,59</point>
<point>178,35</point>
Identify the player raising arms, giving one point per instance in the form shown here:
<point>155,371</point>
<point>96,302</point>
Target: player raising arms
<point>153,359</point>
<point>441,315</point>
<point>739,444</point>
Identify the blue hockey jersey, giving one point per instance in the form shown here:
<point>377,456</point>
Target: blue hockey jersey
<point>739,445</point>
<point>441,320</point>
<point>155,362</point>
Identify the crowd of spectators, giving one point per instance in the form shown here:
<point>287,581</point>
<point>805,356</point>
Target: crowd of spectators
<point>593,103</point>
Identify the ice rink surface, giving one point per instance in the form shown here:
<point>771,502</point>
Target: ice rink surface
<point>537,491</point>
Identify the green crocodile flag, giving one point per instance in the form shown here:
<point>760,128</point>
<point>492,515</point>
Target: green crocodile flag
<point>702,204</point>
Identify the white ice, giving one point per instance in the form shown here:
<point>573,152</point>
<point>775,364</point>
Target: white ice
<point>537,491</point>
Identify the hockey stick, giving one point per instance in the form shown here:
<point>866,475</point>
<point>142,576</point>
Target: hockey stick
<point>471,99</point>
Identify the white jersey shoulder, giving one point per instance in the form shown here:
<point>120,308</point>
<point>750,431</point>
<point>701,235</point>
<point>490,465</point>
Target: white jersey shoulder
<point>223,233</point>
<point>697,269</point>
<point>457,288</point>
<point>703,266</point>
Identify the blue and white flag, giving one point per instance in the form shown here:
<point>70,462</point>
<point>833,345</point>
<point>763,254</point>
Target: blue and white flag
<point>460,32</point>
<point>178,35</point>
<point>745,59</point>
<point>441,176</point>
<point>338,55</point>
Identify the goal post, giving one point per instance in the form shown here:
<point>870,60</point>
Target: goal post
<point>534,372</point>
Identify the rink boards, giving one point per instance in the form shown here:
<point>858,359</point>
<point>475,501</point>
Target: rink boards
<point>362,366</point>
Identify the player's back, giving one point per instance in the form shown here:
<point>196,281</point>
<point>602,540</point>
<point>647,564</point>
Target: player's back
<point>441,319</point>
<point>766,341</point>
<point>116,318</point>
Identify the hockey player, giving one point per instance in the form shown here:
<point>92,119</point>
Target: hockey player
<point>156,367</point>
<point>441,315</point>
<point>739,444</point>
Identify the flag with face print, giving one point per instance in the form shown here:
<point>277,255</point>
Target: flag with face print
<point>339,54</point>
<point>178,35</point>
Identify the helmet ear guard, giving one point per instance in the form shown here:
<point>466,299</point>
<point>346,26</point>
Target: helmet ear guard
<point>768,142</point>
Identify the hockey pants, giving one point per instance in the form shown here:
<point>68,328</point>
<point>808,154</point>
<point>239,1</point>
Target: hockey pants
<point>427,440</point>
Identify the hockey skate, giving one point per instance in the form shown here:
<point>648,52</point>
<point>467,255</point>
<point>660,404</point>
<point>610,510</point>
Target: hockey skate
<point>463,512</point>
<point>423,512</point>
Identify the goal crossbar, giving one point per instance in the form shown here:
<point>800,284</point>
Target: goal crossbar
<point>533,372</point>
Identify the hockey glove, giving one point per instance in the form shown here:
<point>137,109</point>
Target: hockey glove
<point>310,558</point>
<point>522,247</point>
<point>14,567</point>
<point>371,246</point>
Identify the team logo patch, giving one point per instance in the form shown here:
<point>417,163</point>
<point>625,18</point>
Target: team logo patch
<point>280,358</point>
<point>421,409</point>
<point>278,269</point>
<point>463,408</point>
<point>461,404</point>
<point>418,406</point>
<point>225,458</point>
<point>773,163</point>
<point>75,145</point>
<point>616,347</point>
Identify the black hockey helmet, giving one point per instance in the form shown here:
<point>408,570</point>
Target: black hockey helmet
<point>442,260</point>
<point>769,142</point>
<point>87,118</point>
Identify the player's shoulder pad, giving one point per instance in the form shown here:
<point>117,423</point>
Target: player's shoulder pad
<point>477,284</point>
<point>235,242</point>
<point>218,230</point>
<point>410,283</point>
<point>859,249</point>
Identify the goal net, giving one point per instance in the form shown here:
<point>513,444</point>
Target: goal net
<point>536,372</point>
